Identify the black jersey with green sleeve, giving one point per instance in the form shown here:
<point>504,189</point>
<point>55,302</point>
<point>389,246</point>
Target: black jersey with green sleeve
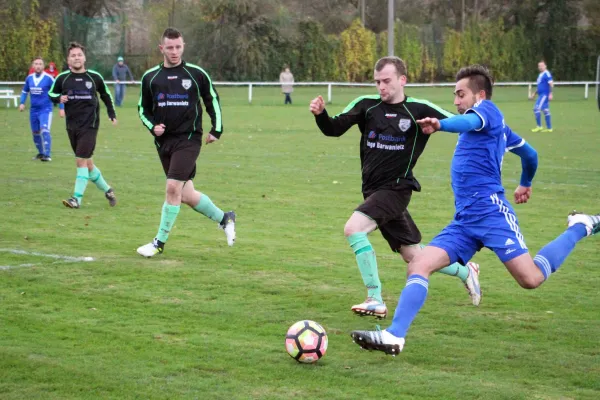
<point>82,111</point>
<point>171,96</point>
<point>391,141</point>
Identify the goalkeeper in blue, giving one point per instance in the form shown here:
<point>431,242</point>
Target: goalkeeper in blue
<point>483,217</point>
<point>544,93</point>
<point>38,85</point>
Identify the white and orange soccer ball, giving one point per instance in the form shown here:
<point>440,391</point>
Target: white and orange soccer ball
<point>306,341</point>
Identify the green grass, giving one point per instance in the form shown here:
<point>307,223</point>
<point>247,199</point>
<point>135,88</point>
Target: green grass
<point>205,321</point>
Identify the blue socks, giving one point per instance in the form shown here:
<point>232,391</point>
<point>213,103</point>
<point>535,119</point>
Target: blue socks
<point>538,117</point>
<point>411,300</point>
<point>548,119</point>
<point>551,256</point>
<point>46,143</point>
<point>37,140</point>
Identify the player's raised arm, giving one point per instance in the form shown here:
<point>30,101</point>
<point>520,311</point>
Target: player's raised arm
<point>338,125</point>
<point>456,123</point>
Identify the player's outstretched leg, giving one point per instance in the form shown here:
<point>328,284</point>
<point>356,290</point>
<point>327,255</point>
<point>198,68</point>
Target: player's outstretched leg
<point>97,178</point>
<point>551,256</point>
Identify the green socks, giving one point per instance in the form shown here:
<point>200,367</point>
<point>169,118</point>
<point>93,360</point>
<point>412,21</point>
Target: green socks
<point>206,207</point>
<point>456,269</point>
<point>81,182</point>
<point>98,179</point>
<point>367,263</point>
<point>167,220</point>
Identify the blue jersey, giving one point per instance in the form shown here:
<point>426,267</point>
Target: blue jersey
<point>38,85</point>
<point>477,162</point>
<point>543,83</point>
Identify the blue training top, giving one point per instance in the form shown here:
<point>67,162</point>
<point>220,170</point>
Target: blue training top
<point>543,83</point>
<point>477,162</point>
<point>38,85</point>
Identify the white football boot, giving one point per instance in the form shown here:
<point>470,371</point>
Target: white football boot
<point>472,283</point>
<point>151,249</point>
<point>228,226</point>
<point>591,222</point>
<point>378,340</point>
<point>370,307</point>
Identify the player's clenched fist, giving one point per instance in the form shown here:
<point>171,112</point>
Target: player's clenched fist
<point>429,125</point>
<point>317,105</point>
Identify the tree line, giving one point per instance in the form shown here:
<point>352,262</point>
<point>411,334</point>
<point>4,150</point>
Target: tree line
<point>325,40</point>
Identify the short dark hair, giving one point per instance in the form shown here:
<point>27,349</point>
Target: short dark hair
<point>479,79</point>
<point>75,45</point>
<point>171,33</point>
<point>396,61</point>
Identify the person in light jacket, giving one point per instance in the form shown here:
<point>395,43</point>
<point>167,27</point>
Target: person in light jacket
<point>287,84</point>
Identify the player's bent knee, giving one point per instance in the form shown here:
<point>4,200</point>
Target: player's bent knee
<point>350,229</point>
<point>531,282</point>
<point>173,188</point>
<point>419,265</point>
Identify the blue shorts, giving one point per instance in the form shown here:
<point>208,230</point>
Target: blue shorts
<point>488,222</point>
<point>40,120</point>
<point>542,103</point>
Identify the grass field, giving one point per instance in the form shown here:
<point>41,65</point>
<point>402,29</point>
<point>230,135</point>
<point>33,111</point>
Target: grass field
<point>205,321</point>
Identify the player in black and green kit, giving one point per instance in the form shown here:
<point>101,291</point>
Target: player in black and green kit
<point>170,109</point>
<point>76,89</point>
<point>390,145</point>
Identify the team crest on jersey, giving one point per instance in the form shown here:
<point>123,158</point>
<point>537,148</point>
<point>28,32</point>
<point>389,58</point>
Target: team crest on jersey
<point>88,84</point>
<point>186,83</point>
<point>404,124</point>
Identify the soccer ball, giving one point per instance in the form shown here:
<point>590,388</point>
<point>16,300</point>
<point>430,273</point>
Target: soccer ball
<point>306,341</point>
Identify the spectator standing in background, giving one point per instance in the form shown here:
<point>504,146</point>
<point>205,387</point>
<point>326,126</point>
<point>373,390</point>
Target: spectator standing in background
<point>51,70</point>
<point>287,84</point>
<point>120,71</point>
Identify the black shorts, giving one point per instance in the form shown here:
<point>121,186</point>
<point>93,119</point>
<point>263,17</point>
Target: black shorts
<point>178,156</point>
<point>83,141</point>
<point>388,209</point>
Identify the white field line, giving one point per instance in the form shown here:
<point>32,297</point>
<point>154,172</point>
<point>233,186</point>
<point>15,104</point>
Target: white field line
<point>59,258</point>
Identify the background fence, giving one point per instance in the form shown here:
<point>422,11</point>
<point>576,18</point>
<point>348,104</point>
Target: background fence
<point>583,86</point>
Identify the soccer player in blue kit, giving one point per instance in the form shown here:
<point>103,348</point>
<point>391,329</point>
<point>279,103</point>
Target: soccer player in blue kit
<point>484,217</point>
<point>38,84</point>
<point>544,93</point>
